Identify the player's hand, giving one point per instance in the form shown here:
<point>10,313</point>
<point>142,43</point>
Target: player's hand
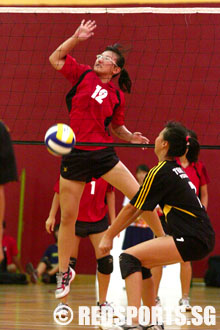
<point>50,223</point>
<point>85,30</point>
<point>138,138</point>
<point>106,244</point>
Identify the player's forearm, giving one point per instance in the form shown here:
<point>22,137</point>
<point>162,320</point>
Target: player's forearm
<point>126,216</point>
<point>204,195</point>
<point>57,58</point>
<point>122,133</point>
<point>110,198</point>
<point>154,222</point>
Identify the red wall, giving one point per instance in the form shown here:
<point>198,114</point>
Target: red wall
<point>174,65</point>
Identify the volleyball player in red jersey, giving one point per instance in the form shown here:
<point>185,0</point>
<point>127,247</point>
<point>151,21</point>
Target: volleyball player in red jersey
<point>97,200</point>
<point>95,104</point>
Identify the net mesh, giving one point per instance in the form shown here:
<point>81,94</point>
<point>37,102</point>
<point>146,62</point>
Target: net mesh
<point>173,61</point>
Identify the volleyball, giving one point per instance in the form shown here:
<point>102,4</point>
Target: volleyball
<point>60,139</point>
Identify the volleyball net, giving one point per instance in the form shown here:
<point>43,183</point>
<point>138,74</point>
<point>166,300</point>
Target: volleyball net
<point>173,61</point>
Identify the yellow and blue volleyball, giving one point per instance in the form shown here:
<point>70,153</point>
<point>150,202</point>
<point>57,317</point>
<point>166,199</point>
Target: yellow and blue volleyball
<point>60,139</point>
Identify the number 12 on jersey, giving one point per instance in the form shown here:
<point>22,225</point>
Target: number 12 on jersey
<point>99,94</point>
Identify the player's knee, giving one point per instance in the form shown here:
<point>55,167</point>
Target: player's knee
<point>146,273</point>
<point>72,262</point>
<point>68,214</point>
<point>129,265</point>
<point>105,265</point>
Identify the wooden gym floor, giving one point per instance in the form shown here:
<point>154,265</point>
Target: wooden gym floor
<point>30,307</point>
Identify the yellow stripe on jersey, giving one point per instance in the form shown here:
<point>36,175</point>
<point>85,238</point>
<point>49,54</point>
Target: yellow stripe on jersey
<point>167,209</point>
<point>147,185</point>
<point>185,211</point>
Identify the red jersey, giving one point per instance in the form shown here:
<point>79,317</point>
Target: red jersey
<point>197,174</point>
<point>92,207</point>
<point>92,104</point>
<point>10,246</point>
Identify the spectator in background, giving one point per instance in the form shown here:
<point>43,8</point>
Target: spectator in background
<point>8,172</point>
<point>48,265</point>
<point>9,245</point>
<point>198,176</point>
<point>11,270</point>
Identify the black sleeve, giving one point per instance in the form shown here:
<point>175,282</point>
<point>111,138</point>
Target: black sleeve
<point>8,170</point>
<point>153,189</point>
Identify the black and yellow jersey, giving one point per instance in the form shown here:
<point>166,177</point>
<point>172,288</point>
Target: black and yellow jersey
<point>169,186</point>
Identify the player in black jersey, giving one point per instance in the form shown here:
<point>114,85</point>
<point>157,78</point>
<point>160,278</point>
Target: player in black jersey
<point>191,234</point>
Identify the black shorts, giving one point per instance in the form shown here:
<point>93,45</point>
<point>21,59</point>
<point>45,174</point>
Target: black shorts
<point>192,248</point>
<point>83,165</point>
<point>84,228</point>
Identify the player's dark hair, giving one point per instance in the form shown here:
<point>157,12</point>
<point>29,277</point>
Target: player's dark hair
<point>193,147</point>
<point>175,134</point>
<point>124,80</point>
<point>142,167</point>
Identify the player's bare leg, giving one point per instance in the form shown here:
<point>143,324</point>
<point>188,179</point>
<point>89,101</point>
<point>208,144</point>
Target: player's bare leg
<point>103,279</point>
<point>157,275</point>
<point>159,251</point>
<point>122,179</point>
<point>70,195</point>
<point>185,278</point>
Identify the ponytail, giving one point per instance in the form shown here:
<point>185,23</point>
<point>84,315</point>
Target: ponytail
<point>124,81</point>
<point>193,148</point>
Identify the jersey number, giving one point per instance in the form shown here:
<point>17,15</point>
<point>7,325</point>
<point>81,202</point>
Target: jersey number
<point>99,94</point>
<point>93,187</point>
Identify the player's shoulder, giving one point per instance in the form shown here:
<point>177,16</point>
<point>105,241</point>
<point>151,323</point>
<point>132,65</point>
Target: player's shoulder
<point>157,172</point>
<point>199,164</point>
<point>166,169</point>
<point>112,86</point>
<point>160,167</point>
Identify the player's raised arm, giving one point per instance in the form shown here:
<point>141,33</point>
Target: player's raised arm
<point>83,32</point>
